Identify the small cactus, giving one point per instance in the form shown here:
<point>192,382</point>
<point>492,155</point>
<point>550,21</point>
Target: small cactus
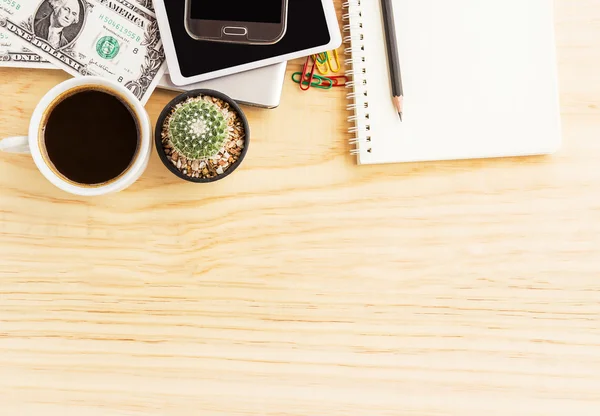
<point>197,129</point>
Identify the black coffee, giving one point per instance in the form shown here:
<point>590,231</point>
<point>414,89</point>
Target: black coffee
<point>91,137</point>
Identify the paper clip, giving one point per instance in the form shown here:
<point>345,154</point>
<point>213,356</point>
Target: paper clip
<point>321,57</point>
<point>318,81</point>
<point>306,78</point>
<point>321,60</point>
<point>339,80</point>
<point>335,60</point>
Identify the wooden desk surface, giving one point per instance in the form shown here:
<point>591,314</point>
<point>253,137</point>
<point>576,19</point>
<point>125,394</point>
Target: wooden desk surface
<point>305,285</point>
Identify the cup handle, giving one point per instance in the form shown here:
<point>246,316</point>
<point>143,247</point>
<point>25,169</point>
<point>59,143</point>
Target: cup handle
<point>18,144</point>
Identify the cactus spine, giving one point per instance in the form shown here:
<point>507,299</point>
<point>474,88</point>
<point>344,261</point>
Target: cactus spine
<point>198,129</point>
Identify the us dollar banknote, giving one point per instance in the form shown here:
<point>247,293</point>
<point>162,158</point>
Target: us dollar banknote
<point>117,39</point>
<point>13,54</point>
<point>146,3</point>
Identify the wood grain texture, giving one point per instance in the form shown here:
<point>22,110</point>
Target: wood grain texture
<point>304,284</point>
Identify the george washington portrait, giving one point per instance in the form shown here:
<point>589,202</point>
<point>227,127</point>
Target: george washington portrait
<point>58,22</point>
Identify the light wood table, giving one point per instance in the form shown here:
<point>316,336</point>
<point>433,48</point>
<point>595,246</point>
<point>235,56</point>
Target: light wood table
<point>304,284</point>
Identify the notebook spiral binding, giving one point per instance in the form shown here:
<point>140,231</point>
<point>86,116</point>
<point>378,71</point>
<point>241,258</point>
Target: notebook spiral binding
<point>357,62</point>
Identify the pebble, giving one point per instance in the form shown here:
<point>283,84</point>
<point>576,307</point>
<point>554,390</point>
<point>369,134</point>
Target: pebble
<point>195,165</point>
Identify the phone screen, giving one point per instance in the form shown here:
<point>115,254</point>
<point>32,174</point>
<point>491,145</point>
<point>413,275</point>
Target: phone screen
<point>262,11</point>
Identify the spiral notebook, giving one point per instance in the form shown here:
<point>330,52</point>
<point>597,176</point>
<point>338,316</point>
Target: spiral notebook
<point>479,78</point>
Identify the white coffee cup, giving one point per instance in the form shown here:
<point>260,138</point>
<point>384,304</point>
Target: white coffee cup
<point>34,143</point>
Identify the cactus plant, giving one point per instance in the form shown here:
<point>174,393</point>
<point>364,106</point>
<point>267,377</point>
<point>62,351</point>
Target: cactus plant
<point>197,129</point>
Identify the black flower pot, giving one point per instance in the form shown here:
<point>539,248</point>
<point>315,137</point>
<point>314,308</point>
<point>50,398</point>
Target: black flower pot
<point>167,110</point>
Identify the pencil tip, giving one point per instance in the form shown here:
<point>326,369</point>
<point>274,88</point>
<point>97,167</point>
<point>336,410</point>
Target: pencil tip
<point>398,104</point>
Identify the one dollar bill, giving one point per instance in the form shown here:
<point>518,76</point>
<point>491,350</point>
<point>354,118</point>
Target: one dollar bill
<point>116,39</point>
<point>13,54</point>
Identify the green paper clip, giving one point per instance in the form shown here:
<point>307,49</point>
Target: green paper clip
<point>318,81</point>
<point>322,57</point>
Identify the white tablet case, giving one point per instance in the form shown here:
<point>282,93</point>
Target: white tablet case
<point>178,79</point>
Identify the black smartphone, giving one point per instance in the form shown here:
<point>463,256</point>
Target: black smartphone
<point>236,21</point>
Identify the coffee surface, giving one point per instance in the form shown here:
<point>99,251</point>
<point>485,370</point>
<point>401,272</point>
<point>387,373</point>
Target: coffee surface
<point>91,137</point>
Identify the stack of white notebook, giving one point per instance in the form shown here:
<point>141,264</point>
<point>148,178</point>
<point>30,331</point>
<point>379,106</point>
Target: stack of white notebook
<point>479,77</point>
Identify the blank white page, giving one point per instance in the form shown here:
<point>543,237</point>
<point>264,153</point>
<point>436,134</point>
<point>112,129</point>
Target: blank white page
<point>479,78</point>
